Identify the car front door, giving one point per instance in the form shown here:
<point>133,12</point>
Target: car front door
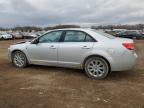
<point>44,52</point>
<point>75,45</point>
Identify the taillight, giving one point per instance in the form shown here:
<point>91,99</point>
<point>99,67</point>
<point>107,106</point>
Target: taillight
<point>129,46</point>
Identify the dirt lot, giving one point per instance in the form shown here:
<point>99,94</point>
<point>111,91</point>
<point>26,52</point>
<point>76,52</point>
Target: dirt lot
<point>51,87</point>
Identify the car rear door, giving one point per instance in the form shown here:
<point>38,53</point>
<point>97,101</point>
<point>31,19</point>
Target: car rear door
<point>75,45</point>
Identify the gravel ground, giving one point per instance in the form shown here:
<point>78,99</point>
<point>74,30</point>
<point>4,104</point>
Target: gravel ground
<point>51,87</point>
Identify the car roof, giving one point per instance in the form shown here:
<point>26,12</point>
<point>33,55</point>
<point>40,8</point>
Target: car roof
<point>81,29</point>
<point>87,30</point>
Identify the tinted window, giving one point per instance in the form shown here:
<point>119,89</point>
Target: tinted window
<point>74,36</point>
<point>122,33</point>
<point>89,39</point>
<point>51,37</point>
<point>131,32</point>
<point>77,36</point>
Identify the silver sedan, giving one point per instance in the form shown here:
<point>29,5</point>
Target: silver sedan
<point>96,52</point>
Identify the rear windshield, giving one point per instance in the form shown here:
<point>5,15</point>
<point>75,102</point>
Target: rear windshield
<point>104,34</point>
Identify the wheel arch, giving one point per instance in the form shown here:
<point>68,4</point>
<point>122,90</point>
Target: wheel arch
<point>20,51</point>
<point>16,50</point>
<point>96,55</point>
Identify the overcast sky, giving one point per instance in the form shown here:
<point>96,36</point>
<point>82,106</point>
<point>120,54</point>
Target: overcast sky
<point>49,12</point>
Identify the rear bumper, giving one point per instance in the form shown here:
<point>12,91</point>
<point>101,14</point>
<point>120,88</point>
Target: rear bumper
<point>125,62</point>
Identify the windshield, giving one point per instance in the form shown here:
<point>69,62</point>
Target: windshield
<point>104,34</point>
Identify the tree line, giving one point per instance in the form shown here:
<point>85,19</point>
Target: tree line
<point>128,27</point>
<point>35,28</point>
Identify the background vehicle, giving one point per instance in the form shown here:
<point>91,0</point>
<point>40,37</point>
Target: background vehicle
<point>5,36</point>
<point>132,34</point>
<point>142,34</point>
<point>17,35</point>
<point>96,52</point>
<point>29,35</point>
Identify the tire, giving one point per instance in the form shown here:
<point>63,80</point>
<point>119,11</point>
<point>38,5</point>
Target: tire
<point>19,59</point>
<point>96,68</point>
<point>2,38</point>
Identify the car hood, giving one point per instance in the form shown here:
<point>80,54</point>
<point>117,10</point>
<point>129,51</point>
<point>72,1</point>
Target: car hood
<point>22,42</point>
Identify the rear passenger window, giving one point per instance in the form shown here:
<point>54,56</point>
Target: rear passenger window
<point>74,36</point>
<point>77,36</point>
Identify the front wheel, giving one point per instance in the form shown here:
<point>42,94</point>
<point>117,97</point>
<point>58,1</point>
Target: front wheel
<point>97,68</point>
<point>19,59</point>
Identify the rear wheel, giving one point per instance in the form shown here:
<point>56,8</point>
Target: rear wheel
<point>19,59</point>
<point>97,68</point>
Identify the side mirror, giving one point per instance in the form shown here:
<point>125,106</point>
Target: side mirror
<point>36,41</point>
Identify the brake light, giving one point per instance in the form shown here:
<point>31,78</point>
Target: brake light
<point>129,46</point>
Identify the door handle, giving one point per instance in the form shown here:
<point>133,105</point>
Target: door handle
<point>52,47</point>
<point>85,47</point>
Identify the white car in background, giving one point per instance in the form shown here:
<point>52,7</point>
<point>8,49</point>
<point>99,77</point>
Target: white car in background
<point>5,36</point>
<point>96,52</point>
